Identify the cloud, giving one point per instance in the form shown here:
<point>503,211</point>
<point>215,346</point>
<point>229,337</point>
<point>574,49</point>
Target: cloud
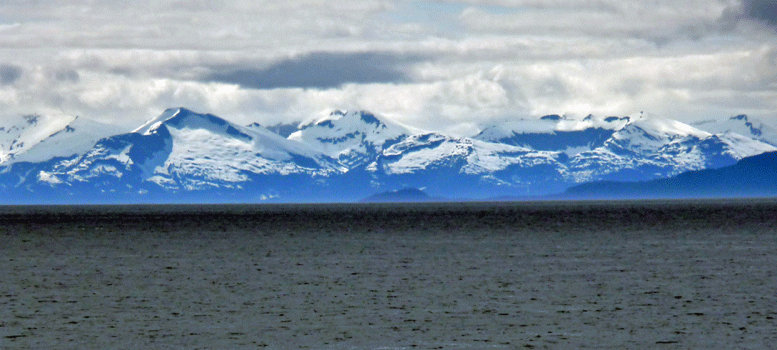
<point>198,25</point>
<point>659,20</point>
<point>762,10</point>
<point>66,75</point>
<point>430,64</point>
<point>319,70</point>
<point>9,74</point>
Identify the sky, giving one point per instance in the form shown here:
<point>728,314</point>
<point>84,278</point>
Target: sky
<point>448,66</point>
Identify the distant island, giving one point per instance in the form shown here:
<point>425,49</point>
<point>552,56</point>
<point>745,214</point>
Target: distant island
<point>403,195</point>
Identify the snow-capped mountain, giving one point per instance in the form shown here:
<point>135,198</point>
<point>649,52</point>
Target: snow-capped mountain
<point>635,147</point>
<point>219,153</point>
<point>467,168</point>
<point>554,133</point>
<point>743,125</point>
<point>181,151</point>
<point>384,155</point>
<point>35,138</point>
<point>354,138</point>
<point>184,156</point>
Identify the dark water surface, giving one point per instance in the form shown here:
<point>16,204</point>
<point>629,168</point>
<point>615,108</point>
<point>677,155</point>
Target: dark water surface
<point>651,274</point>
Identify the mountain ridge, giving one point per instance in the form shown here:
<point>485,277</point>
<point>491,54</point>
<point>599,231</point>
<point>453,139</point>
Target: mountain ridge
<point>183,155</point>
<point>750,177</point>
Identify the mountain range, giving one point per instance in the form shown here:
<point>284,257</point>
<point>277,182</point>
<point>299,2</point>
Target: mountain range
<point>750,177</point>
<point>184,156</point>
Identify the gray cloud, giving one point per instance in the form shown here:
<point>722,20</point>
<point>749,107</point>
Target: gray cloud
<point>9,74</point>
<point>763,10</point>
<point>319,70</point>
<point>190,5</point>
<point>430,64</point>
<point>67,75</point>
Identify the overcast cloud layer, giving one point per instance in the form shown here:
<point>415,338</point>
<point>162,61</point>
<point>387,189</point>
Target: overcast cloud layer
<point>440,65</point>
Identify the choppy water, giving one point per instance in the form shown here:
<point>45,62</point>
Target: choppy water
<point>693,274</point>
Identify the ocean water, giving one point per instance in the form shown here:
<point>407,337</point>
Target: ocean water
<point>649,274</point>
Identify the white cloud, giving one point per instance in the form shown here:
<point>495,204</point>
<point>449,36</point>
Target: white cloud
<point>439,64</point>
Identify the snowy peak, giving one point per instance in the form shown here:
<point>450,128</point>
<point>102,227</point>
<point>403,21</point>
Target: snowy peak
<point>650,125</point>
<point>434,151</point>
<point>182,118</point>
<point>661,128</point>
<point>205,134</point>
<point>743,125</point>
<point>18,135</point>
<point>75,138</point>
<point>549,124</point>
<point>555,133</point>
<point>460,166</point>
<point>352,137</point>
<point>181,152</point>
<point>352,118</point>
<point>560,133</point>
<point>644,145</point>
<point>184,150</point>
<point>154,123</point>
<point>755,126</point>
<point>36,138</point>
<point>340,122</point>
<point>738,146</point>
<point>649,133</point>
